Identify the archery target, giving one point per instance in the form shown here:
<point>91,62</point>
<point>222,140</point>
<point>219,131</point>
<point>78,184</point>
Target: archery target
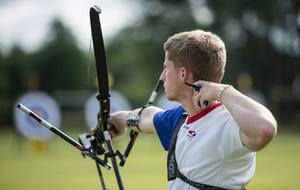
<point>42,105</point>
<point>164,103</point>
<point>117,103</point>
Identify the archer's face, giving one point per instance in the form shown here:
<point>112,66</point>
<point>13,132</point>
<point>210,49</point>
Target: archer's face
<point>171,79</point>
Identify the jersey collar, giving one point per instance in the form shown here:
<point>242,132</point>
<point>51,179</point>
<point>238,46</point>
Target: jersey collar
<point>202,113</point>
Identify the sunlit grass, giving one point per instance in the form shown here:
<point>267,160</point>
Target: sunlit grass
<point>60,166</point>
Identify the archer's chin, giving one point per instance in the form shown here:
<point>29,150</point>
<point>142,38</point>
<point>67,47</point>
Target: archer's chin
<point>170,98</point>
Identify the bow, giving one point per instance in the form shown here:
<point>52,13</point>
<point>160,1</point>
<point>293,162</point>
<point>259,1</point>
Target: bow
<point>92,145</point>
<point>102,75</point>
<point>101,134</point>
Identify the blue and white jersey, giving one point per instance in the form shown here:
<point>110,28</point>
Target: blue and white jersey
<point>165,123</point>
<point>209,149</point>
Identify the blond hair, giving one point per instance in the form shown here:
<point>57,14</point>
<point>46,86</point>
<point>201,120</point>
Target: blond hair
<point>202,53</point>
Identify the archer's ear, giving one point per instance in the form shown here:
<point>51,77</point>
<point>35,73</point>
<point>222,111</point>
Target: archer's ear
<point>184,75</point>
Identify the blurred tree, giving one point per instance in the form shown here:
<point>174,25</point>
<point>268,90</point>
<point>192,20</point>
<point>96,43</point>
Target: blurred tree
<point>3,87</point>
<point>3,76</point>
<point>16,71</point>
<point>13,77</point>
<point>136,54</point>
<point>60,64</point>
<point>262,38</point>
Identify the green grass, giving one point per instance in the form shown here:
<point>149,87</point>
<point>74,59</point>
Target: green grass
<point>60,166</point>
<point>278,165</point>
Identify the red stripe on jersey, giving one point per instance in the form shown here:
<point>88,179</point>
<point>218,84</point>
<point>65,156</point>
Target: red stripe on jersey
<point>202,113</point>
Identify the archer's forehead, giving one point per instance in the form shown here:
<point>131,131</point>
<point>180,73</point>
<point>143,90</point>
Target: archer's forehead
<point>167,59</point>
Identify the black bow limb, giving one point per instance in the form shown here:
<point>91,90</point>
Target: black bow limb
<point>102,135</point>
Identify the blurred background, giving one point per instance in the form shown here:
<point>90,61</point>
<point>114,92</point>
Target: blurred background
<point>45,48</point>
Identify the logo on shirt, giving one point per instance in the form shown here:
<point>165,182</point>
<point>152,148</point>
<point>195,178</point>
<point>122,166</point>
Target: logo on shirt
<point>185,127</point>
<point>191,134</point>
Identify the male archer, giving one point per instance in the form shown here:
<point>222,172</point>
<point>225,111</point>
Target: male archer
<point>215,147</point>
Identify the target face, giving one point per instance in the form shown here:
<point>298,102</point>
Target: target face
<point>117,103</point>
<point>42,105</point>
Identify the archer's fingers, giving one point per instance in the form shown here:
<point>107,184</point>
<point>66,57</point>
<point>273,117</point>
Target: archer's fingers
<point>93,130</point>
<point>201,82</point>
<point>203,102</point>
<point>196,100</point>
<point>116,131</point>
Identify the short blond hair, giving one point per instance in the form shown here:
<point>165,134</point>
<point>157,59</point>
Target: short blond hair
<point>203,53</point>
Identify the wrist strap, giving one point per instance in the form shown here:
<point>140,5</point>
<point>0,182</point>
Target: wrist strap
<point>133,118</point>
<point>222,92</point>
<point>140,112</point>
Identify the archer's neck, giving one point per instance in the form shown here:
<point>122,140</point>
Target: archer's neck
<point>191,109</point>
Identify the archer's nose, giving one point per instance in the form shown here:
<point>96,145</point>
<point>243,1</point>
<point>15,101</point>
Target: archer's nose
<point>163,75</point>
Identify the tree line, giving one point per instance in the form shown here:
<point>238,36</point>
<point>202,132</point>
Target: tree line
<point>262,40</point>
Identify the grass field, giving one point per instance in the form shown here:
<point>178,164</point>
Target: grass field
<point>60,166</point>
